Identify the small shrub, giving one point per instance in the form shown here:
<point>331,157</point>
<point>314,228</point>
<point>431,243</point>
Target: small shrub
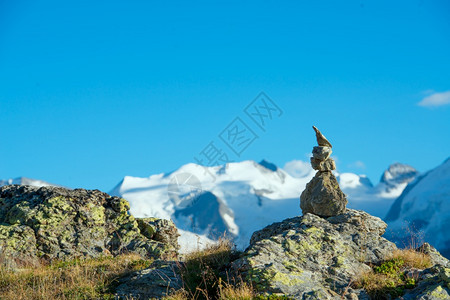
<point>390,267</point>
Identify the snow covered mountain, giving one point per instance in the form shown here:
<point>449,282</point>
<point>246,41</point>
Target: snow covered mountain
<point>240,198</point>
<point>376,200</point>
<point>24,181</point>
<point>423,210</point>
<point>396,178</point>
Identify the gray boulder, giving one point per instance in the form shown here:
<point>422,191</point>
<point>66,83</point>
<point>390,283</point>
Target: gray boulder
<point>310,257</point>
<point>152,283</point>
<point>322,196</point>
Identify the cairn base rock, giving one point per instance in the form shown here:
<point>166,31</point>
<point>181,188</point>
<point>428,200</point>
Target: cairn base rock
<point>322,196</point>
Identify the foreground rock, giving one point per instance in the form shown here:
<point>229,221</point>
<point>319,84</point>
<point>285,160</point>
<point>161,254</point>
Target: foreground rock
<point>310,256</point>
<point>57,223</point>
<point>434,284</point>
<point>155,282</point>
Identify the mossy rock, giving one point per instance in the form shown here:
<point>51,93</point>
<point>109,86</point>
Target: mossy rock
<point>311,257</point>
<point>57,223</point>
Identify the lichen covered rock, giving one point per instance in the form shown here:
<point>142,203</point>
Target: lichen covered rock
<point>434,284</point>
<point>57,223</point>
<point>160,230</point>
<point>315,258</point>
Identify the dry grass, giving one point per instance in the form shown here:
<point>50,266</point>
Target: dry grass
<point>205,275</point>
<point>226,292</point>
<point>178,295</point>
<point>379,286</point>
<point>215,254</point>
<point>390,277</point>
<point>76,279</point>
<point>203,269</point>
<point>243,291</point>
<point>412,258</point>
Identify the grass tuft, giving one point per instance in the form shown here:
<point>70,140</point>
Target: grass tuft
<point>243,291</point>
<point>412,258</point>
<point>390,278</point>
<point>203,269</point>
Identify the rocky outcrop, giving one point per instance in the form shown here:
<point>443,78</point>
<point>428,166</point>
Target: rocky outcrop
<point>57,223</point>
<point>310,257</point>
<point>322,195</point>
<point>315,258</point>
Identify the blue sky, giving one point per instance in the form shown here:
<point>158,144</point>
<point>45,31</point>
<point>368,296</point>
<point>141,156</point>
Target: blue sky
<point>91,91</point>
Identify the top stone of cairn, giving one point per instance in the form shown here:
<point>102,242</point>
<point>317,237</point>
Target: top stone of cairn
<point>321,139</point>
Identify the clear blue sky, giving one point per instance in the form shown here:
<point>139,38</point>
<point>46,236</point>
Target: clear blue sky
<point>91,91</point>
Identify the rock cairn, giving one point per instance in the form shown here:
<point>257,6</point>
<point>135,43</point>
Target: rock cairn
<point>322,195</point>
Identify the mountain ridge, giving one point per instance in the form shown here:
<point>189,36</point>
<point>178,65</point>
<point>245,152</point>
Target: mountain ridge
<point>257,194</point>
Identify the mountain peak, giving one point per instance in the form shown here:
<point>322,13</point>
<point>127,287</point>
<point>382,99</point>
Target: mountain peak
<point>398,173</point>
<point>268,165</point>
<point>25,181</point>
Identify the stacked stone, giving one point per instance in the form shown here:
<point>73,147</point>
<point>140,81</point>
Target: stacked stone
<point>322,195</point>
<point>321,160</point>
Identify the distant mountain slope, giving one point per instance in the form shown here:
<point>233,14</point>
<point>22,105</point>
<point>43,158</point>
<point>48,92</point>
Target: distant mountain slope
<point>239,198</point>
<point>25,181</point>
<point>424,207</point>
